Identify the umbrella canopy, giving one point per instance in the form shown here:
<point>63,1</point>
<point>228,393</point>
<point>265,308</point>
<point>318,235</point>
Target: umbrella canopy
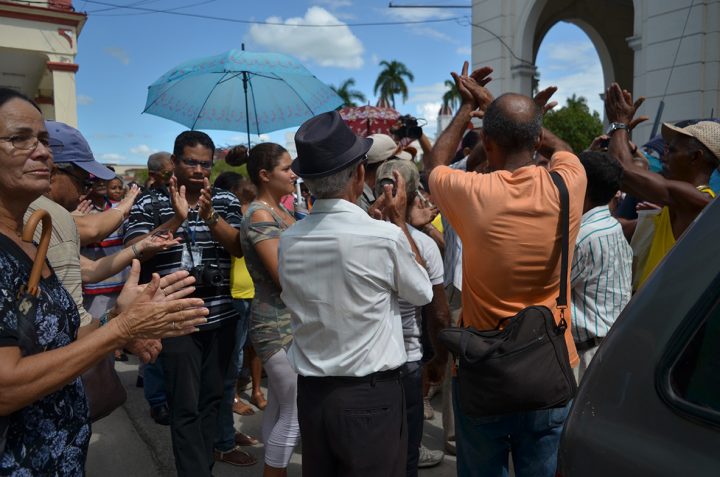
<point>240,91</point>
<point>367,120</point>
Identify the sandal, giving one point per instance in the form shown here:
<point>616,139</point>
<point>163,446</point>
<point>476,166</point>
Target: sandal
<point>236,457</point>
<point>244,439</point>
<point>242,408</point>
<point>258,400</point>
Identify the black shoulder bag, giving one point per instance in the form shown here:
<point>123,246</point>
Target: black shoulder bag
<point>523,364</point>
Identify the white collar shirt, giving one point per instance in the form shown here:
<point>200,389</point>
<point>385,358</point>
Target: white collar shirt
<point>342,273</point>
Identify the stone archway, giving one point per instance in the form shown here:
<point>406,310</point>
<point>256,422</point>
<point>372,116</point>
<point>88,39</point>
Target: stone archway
<point>636,41</point>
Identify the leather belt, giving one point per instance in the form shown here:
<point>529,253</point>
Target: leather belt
<point>589,344</point>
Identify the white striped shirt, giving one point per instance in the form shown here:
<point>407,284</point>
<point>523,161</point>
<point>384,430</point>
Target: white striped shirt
<point>601,274</point>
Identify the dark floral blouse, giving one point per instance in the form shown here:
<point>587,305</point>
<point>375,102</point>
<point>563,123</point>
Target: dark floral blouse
<point>50,436</point>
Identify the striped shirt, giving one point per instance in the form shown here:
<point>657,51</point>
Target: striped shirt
<point>110,245</point>
<point>143,220</point>
<point>601,274</point>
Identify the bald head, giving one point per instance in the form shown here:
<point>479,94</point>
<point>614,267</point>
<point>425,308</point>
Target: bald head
<point>513,122</point>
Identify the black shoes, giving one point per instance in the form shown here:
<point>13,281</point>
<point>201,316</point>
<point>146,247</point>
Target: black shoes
<point>161,414</point>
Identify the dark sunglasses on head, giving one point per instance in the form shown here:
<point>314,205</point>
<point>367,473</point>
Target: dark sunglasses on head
<point>194,163</point>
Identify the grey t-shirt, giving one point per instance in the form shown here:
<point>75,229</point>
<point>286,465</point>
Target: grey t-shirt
<point>409,313</point>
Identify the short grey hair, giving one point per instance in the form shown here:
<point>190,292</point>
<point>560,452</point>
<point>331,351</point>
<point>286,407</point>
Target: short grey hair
<point>332,186</point>
<point>156,161</point>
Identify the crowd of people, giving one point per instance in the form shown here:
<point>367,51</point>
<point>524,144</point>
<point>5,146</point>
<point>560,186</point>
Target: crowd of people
<point>343,307</point>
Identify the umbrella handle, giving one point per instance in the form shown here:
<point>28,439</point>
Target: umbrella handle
<point>27,236</point>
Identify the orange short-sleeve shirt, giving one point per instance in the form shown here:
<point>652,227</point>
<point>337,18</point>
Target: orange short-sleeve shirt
<point>509,226</point>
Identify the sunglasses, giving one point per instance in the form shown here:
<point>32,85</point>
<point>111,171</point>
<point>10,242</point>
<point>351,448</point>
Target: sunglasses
<point>85,182</point>
<point>193,163</point>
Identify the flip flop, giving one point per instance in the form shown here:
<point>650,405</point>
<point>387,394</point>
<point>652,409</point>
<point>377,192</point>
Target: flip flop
<point>242,408</point>
<point>244,439</point>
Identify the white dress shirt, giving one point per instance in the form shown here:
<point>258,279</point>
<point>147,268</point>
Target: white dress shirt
<point>601,274</point>
<point>341,273</point>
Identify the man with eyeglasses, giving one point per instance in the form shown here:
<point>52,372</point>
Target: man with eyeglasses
<point>207,220</point>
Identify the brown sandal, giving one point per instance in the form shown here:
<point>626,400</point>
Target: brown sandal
<point>242,408</point>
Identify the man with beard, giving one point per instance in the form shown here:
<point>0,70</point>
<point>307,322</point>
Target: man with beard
<point>207,220</point>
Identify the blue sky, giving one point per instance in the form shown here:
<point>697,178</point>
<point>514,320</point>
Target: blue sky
<point>122,51</point>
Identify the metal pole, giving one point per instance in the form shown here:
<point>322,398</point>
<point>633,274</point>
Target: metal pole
<point>247,109</point>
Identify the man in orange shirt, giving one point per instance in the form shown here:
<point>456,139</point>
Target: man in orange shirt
<point>508,221</point>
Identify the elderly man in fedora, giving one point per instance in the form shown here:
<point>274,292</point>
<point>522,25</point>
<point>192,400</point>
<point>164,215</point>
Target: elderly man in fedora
<point>342,273</point>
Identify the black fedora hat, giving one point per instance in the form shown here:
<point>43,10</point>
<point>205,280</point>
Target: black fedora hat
<point>325,145</point>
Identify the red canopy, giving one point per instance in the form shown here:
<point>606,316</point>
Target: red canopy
<point>367,120</point>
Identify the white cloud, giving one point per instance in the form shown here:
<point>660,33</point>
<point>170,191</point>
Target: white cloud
<point>327,46</point>
<point>464,50</point>
<point>119,54</point>
<point>426,31</point>
<point>575,69</point>
<point>111,157</point>
<point>142,150</point>
<point>84,100</point>
<point>374,59</point>
<point>419,14</point>
<point>427,94</point>
<point>586,82</point>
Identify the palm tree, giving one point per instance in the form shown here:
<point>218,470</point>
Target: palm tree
<point>452,95</point>
<point>391,81</point>
<point>347,94</point>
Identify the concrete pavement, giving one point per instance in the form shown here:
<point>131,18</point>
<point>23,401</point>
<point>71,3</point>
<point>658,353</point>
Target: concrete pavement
<point>129,443</point>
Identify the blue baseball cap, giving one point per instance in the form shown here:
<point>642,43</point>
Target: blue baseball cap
<point>76,150</point>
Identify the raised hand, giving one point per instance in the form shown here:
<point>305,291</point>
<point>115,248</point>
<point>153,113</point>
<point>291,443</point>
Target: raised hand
<point>542,98</point>
<point>205,209</point>
<point>620,107</point>
<point>395,205</point>
<point>126,204</point>
<point>472,88</point>
<point>420,214</point>
<point>83,208</point>
<point>177,200</point>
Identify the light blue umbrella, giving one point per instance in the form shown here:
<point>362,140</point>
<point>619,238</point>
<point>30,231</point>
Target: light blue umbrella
<point>240,91</point>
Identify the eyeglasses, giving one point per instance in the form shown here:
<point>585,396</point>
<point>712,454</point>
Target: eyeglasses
<point>30,142</point>
<point>193,163</point>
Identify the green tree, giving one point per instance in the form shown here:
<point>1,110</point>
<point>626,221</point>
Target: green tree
<point>220,166</point>
<point>574,124</point>
<point>391,81</point>
<point>452,95</point>
<point>347,94</point>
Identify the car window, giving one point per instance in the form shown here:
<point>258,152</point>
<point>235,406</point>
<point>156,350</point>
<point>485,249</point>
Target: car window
<point>692,366</point>
<point>696,375</point>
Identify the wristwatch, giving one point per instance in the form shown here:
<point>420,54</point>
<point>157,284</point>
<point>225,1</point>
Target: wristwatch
<point>212,220</point>
<point>615,126</point>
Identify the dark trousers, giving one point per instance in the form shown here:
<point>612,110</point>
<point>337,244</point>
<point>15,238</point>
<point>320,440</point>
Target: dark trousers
<point>195,368</point>
<point>352,427</point>
<point>412,387</point>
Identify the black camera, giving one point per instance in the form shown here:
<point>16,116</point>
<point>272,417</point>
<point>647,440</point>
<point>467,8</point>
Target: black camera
<point>408,128</point>
<point>207,275</point>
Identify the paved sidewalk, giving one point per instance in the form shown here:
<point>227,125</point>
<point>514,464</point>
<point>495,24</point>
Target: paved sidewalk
<point>129,443</point>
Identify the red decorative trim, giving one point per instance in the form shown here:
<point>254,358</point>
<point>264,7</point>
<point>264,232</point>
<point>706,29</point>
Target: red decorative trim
<point>64,32</point>
<point>44,15</point>
<point>44,100</point>
<point>59,66</point>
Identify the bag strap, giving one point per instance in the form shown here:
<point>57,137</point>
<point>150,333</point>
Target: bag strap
<point>564,240</point>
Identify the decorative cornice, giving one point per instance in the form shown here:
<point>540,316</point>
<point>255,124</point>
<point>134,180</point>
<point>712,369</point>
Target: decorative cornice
<point>59,66</point>
<point>44,15</point>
